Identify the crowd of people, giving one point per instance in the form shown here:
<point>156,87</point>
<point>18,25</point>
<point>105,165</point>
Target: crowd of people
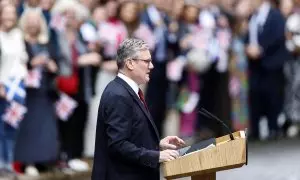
<point>238,59</point>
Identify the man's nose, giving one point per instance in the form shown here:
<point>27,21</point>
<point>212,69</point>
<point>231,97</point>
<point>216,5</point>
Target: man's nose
<point>151,66</point>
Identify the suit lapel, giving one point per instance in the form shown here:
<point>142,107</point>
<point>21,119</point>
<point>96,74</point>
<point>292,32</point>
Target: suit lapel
<point>139,102</point>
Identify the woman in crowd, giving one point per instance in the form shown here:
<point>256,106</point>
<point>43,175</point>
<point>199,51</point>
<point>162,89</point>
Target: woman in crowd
<point>74,79</point>
<point>37,140</point>
<point>13,58</point>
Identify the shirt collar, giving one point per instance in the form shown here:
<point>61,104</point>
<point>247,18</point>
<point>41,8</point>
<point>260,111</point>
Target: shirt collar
<point>130,82</point>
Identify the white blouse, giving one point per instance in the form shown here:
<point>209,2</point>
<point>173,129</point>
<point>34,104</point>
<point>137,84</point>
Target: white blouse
<point>13,56</point>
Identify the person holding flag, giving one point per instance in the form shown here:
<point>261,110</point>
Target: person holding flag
<point>13,58</point>
<point>37,140</point>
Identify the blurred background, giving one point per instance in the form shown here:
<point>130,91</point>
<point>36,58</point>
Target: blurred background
<point>238,59</point>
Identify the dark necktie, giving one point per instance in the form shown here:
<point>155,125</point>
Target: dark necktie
<point>141,95</point>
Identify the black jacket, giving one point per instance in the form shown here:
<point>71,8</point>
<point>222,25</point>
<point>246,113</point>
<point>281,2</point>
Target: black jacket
<point>272,41</point>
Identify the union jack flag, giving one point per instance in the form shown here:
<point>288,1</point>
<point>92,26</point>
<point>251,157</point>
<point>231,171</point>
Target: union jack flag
<point>65,106</point>
<point>14,114</point>
<point>33,78</point>
<point>15,90</point>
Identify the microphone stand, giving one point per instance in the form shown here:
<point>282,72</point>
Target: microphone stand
<point>207,114</point>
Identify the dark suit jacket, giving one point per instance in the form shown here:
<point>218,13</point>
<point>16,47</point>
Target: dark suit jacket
<point>127,141</point>
<point>271,38</point>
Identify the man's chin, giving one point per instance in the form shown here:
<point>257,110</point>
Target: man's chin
<point>147,79</point>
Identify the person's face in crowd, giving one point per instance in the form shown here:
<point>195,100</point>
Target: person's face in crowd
<point>177,9</point>
<point>71,19</point>
<point>190,14</point>
<point>286,7</point>
<point>129,12</point>
<point>4,3</point>
<point>13,2</point>
<point>33,24</point>
<point>8,17</point>
<point>99,14</point>
<point>141,67</point>
<point>33,3</point>
<point>255,4</point>
<point>47,4</point>
<point>243,8</point>
<point>111,8</point>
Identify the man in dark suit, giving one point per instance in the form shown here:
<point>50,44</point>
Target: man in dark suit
<point>266,52</point>
<point>127,141</point>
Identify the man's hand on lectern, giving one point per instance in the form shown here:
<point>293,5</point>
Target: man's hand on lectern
<point>168,155</point>
<point>171,142</point>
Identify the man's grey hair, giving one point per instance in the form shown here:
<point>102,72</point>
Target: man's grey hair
<point>129,49</point>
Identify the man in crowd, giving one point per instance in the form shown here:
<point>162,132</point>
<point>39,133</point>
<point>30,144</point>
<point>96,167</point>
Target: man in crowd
<point>266,51</point>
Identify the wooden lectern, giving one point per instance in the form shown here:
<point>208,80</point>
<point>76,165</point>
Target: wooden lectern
<point>203,164</point>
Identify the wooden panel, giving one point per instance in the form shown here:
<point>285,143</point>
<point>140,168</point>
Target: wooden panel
<point>222,139</point>
<point>221,157</point>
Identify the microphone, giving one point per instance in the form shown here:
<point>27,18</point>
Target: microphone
<point>207,114</point>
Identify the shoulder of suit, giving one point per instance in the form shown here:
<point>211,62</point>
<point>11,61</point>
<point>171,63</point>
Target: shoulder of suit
<point>112,96</point>
<point>275,16</point>
<point>116,89</point>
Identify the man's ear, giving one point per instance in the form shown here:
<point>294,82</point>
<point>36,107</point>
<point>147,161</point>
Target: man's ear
<point>129,64</point>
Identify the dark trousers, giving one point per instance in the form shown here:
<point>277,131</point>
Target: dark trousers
<point>265,98</point>
<point>156,94</point>
<point>71,131</point>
